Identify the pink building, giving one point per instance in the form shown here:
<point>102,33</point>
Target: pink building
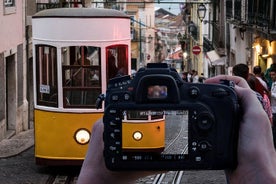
<point>13,101</point>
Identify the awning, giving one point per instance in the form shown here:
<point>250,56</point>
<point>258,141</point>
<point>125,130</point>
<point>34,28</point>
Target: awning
<point>215,58</point>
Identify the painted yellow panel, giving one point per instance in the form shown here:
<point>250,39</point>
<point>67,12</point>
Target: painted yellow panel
<point>54,134</point>
<point>153,135</point>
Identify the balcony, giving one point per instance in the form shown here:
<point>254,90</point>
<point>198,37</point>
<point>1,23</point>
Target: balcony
<point>50,5</point>
<point>44,6</point>
<point>260,15</point>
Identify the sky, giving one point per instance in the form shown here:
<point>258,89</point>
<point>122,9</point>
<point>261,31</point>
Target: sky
<point>171,7</point>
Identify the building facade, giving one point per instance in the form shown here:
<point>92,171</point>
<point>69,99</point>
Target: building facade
<point>231,32</point>
<point>13,93</point>
<point>252,32</point>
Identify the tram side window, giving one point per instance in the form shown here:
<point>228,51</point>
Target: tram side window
<point>143,115</point>
<point>117,61</point>
<point>81,75</point>
<point>46,75</point>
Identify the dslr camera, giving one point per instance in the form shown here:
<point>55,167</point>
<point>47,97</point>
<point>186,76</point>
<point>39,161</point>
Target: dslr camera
<point>156,121</point>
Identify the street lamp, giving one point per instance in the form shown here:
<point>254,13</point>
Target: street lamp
<point>201,12</point>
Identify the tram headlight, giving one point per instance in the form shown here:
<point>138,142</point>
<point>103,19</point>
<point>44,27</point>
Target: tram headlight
<point>82,136</point>
<point>137,136</point>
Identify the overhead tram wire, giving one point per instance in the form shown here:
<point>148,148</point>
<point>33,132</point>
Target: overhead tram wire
<point>141,23</point>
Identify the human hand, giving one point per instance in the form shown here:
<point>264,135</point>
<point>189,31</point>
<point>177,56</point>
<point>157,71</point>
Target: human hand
<point>94,170</point>
<point>256,153</point>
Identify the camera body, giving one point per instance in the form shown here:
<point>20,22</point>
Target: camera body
<point>156,121</point>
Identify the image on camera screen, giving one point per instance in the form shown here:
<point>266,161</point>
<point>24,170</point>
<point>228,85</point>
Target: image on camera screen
<point>157,92</point>
<point>163,132</point>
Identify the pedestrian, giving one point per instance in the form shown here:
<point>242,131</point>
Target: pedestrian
<point>195,77</point>
<point>242,70</point>
<point>185,76</point>
<point>201,78</point>
<point>256,154</point>
<point>267,75</point>
<point>190,76</point>
<point>273,102</point>
<point>257,70</point>
<point>262,93</point>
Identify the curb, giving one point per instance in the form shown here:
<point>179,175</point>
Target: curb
<point>17,144</point>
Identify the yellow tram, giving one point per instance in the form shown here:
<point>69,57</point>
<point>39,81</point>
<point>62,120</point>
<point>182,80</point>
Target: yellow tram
<point>143,131</point>
<point>76,51</point>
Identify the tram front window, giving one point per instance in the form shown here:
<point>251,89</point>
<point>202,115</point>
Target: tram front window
<point>46,75</point>
<point>81,76</point>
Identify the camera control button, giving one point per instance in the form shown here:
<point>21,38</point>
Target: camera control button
<point>114,98</point>
<point>112,123</point>
<point>112,135</point>
<point>126,97</point>
<point>204,146</point>
<point>113,111</point>
<point>194,92</point>
<point>204,122</point>
<point>112,148</point>
<point>117,130</point>
<point>220,93</point>
<point>198,159</point>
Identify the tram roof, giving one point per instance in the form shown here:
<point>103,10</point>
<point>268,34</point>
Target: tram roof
<point>80,13</point>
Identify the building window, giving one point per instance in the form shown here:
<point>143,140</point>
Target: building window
<point>9,3</point>
<point>9,7</point>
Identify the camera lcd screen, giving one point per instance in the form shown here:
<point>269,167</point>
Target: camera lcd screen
<point>162,132</point>
<point>157,92</point>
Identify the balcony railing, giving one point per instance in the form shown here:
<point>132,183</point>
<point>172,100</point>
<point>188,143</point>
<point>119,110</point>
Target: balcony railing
<point>43,6</point>
<point>237,10</point>
<point>259,15</point>
<point>50,5</point>
<point>229,9</point>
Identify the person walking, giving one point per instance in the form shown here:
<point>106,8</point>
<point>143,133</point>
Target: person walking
<point>257,70</point>
<point>185,76</point>
<point>242,70</point>
<point>273,102</point>
<point>267,75</point>
<point>195,77</point>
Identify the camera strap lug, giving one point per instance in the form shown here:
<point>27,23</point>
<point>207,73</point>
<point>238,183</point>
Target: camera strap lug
<point>99,101</point>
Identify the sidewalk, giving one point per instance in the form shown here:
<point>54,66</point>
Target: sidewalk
<point>16,144</point>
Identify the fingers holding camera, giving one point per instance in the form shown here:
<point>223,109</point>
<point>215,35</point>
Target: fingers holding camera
<point>256,154</point>
<point>94,170</point>
<point>253,115</point>
<point>248,99</point>
<point>237,80</point>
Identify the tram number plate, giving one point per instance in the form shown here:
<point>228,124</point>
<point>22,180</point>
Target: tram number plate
<point>45,89</point>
